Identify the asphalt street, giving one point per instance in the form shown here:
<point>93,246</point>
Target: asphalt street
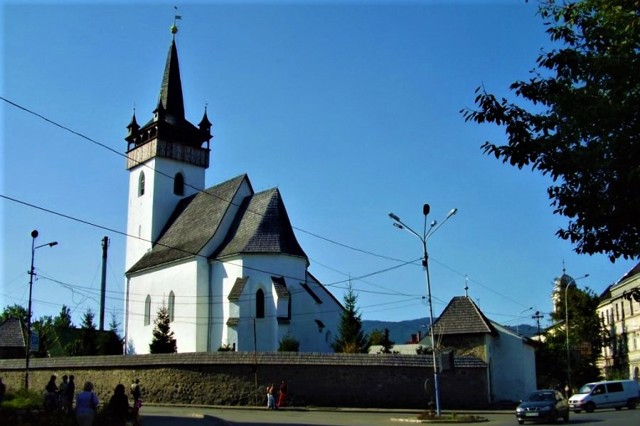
<point>246,416</point>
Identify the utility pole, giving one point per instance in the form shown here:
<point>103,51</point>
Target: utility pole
<point>103,287</point>
<point>538,316</point>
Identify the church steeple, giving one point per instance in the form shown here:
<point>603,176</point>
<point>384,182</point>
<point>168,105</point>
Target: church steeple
<point>166,158</point>
<point>171,135</point>
<point>171,89</point>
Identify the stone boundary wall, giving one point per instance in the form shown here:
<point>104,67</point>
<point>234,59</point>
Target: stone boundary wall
<point>240,378</point>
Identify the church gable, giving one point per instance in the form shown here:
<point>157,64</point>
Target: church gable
<point>193,224</point>
<point>262,226</point>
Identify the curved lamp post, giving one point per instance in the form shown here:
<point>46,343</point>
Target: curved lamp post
<point>32,272</point>
<point>426,233</point>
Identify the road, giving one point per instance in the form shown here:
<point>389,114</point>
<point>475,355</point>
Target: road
<point>204,416</point>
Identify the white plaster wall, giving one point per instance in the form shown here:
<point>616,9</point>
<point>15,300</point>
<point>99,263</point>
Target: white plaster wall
<point>264,334</point>
<point>191,305</point>
<point>148,214</point>
<point>513,367</point>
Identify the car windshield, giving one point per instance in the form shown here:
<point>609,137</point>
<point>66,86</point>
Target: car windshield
<point>540,396</point>
<point>586,389</point>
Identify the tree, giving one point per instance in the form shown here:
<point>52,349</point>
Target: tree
<point>289,344</point>
<point>163,341</point>
<point>582,126</point>
<point>63,320</point>
<point>14,311</point>
<point>351,338</point>
<point>109,342</point>
<point>586,338</point>
<point>386,343</point>
<point>87,342</point>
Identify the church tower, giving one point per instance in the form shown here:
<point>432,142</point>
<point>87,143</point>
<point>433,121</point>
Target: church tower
<point>166,159</point>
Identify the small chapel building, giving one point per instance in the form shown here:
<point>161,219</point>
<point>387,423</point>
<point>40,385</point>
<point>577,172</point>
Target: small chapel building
<point>223,260</point>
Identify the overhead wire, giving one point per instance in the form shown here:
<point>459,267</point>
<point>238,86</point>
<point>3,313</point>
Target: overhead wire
<point>104,146</point>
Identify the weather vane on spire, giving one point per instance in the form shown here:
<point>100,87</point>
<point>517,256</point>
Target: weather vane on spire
<point>174,27</point>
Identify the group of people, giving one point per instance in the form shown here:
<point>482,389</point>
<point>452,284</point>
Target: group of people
<point>118,410</point>
<point>272,403</point>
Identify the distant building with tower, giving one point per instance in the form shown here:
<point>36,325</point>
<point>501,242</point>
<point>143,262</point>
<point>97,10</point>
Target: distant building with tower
<point>223,260</point>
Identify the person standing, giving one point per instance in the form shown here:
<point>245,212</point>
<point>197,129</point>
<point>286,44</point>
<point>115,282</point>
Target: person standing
<point>62,392</point>
<point>51,396</point>
<point>86,405</point>
<point>136,393</point>
<point>119,406</point>
<point>271,403</point>
<point>70,394</point>
<point>282,395</point>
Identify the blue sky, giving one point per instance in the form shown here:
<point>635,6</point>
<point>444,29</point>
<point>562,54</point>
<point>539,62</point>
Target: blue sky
<point>350,108</point>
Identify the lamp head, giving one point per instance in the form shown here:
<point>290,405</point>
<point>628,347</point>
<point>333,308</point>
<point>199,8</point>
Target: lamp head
<point>53,243</point>
<point>452,212</point>
<point>426,209</point>
<point>397,225</point>
<point>394,217</point>
<point>34,234</point>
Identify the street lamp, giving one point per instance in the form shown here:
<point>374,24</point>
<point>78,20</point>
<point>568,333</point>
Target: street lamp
<point>520,316</point>
<point>426,233</point>
<point>34,247</point>
<point>571,283</point>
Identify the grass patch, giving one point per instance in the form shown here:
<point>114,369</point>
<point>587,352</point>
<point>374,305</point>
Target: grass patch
<point>22,400</point>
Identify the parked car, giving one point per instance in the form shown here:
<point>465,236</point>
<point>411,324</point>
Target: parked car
<point>607,394</point>
<point>545,405</point>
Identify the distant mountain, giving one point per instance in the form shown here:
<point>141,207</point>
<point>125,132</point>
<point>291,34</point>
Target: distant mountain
<point>400,332</point>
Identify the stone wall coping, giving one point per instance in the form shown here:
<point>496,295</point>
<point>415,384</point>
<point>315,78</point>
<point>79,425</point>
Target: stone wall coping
<point>236,358</point>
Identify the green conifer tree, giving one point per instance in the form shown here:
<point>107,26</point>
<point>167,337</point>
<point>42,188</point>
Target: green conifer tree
<point>351,338</point>
<point>163,341</point>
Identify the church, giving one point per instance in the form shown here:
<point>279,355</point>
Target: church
<point>223,260</point>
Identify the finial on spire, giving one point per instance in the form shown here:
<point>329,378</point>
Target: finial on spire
<point>174,27</point>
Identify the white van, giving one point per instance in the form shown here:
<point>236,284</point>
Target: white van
<point>608,394</point>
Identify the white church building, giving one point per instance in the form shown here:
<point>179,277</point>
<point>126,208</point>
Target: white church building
<point>223,260</point>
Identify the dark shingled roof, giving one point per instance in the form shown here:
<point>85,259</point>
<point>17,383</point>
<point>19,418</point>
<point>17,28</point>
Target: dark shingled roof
<point>237,289</point>
<point>193,223</point>
<point>262,226</point>
<point>281,287</point>
<point>462,316</point>
<point>11,334</point>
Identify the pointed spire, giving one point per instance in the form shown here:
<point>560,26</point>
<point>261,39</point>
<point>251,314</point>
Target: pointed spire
<point>133,126</point>
<point>205,124</point>
<point>171,89</point>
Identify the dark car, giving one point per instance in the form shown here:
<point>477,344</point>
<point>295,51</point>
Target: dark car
<point>545,405</point>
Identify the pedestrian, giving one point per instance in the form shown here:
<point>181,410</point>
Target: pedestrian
<point>51,386</point>
<point>271,403</point>
<point>62,392</point>
<point>51,396</point>
<point>136,392</point>
<point>3,389</point>
<point>282,395</point>
<point>69,395</point>
<point>119,406</point>
<point>86,405</point>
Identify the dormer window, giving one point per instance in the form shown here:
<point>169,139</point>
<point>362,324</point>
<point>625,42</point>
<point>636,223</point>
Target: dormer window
<point>178,184</point>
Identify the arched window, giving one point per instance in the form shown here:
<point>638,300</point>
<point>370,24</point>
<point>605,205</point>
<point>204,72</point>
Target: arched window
<point>147,310</point>
<point>178,184</point>
<point>172,306</point>
<point>141,184</point>
<point>260,304</point>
